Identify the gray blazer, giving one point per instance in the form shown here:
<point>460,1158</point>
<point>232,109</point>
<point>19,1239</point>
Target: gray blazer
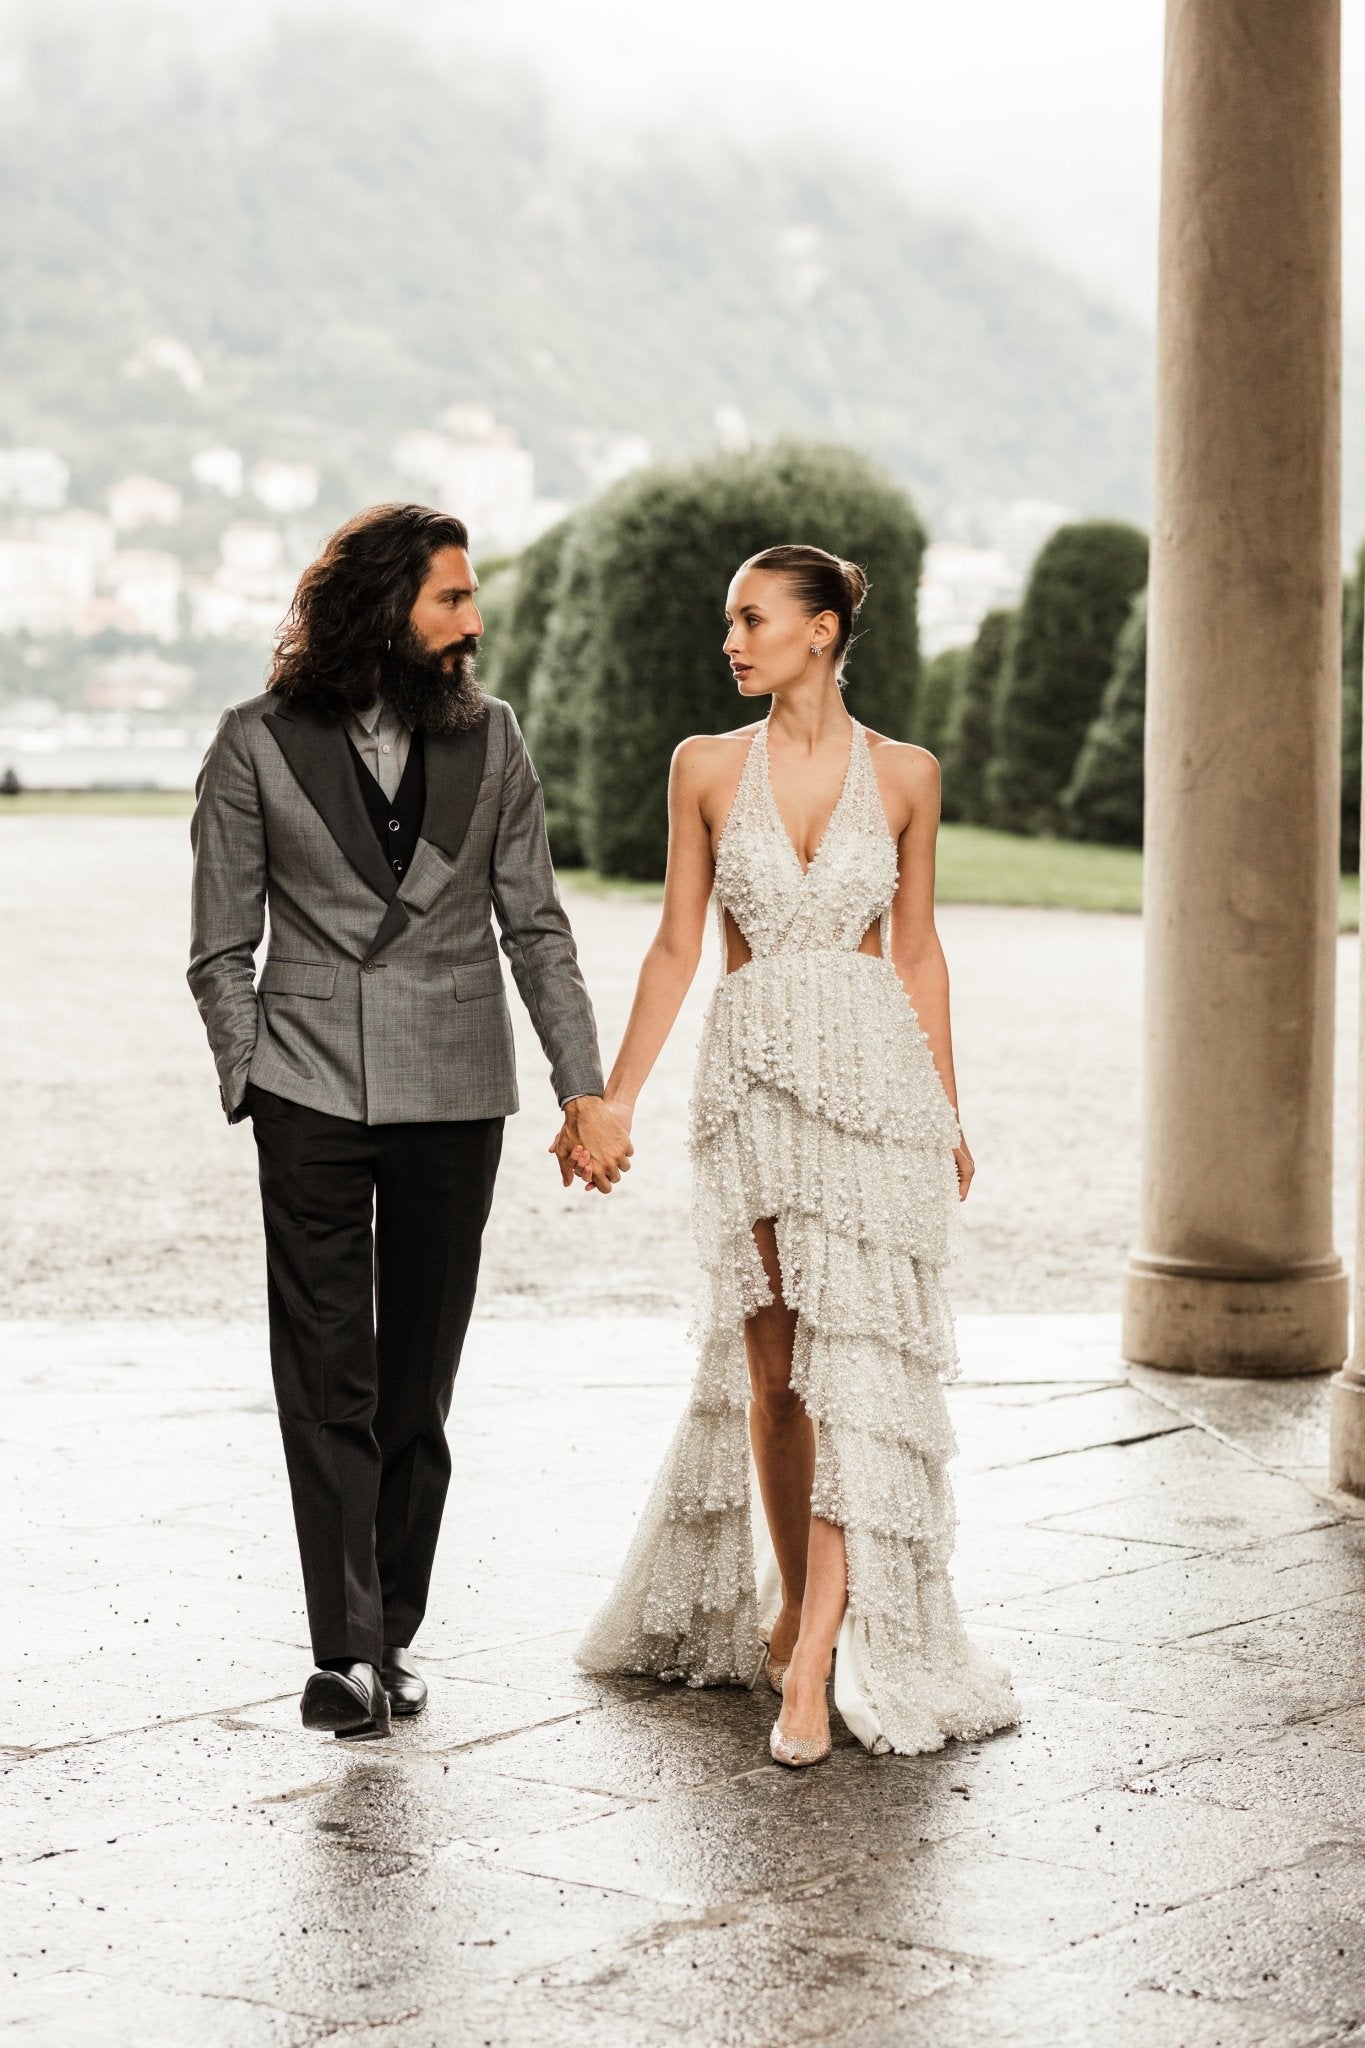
<point>379,1000</point>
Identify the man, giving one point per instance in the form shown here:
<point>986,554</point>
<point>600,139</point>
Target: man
<point>380,807</point>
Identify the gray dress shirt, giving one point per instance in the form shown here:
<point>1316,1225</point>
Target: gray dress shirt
<point>381,738</point>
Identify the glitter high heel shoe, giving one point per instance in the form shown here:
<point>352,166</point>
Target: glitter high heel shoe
<point>795,1753</point>
<point>792,1750</point>
<point>775,1672</point>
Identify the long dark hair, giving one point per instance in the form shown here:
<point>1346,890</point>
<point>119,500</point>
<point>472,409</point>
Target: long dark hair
<point>355,599</point>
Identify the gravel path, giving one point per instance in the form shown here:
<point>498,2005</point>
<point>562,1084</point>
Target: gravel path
<point>125,1193</point>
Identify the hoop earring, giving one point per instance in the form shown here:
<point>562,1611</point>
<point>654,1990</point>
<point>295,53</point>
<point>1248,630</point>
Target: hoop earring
<point>388,647</point>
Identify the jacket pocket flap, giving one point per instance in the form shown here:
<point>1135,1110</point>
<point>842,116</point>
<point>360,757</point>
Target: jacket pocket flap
<point>298,978</point>
<point>477,978</point>
<point>426,878</point>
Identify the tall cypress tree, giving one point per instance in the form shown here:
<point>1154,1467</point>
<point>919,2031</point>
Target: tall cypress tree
<point>1060,658</point>
<point>1103,800</point>
<point>938,694</point>
<point>521,599</point>
<point>967,750</point>
<point>559,682</point>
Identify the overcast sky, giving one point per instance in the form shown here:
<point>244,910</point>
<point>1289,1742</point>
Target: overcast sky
<point>1033,117</point>
<point>1040,117</point>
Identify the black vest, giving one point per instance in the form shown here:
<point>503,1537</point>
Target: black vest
<point>397,820</point>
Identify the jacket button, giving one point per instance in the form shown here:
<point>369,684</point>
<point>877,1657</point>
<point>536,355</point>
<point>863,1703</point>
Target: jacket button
<point>368,966</point>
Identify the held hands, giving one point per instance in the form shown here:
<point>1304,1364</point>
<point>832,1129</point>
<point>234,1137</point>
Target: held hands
<point>594,1142</point>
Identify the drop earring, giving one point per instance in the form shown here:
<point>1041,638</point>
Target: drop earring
<point>816,652</point>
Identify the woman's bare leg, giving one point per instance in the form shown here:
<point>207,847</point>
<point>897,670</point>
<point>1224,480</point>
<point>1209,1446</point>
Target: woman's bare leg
<point>805,1709</point>
<point>783,1442</point>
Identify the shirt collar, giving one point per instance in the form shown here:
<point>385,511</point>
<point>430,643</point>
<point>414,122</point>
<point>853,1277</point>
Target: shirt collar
<point>369,717</point>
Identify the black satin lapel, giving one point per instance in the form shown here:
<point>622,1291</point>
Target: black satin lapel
<point>454,771</point>
<point>393,922</point>
<point>315,748</point>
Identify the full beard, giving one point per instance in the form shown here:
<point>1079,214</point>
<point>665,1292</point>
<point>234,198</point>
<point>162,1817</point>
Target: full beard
<point>437,694</point>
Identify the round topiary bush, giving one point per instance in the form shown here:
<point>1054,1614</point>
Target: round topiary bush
<point>633,662</point>
<point>967,748</point>
<point>939,683</point>
<point>1352,653</point>
<point>516,609</point>
<point>1103,800</point>
<point>1061,655</point>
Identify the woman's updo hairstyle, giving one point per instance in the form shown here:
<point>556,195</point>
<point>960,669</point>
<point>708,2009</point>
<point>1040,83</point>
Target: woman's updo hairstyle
<point>823,583</point>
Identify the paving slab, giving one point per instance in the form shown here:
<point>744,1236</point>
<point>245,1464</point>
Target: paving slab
<point>1192,1597</point>
<point>1247,1505</point>
<point>1328,1637</point>
<point>1043,2006</point>
<point>1291,1939</point>
<point>1299,1773</point>
<point>548,1860</point>
<point>1224,1689</point>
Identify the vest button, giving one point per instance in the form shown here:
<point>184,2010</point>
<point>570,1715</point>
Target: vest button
<point>394,825</point>
<point>398,866</point>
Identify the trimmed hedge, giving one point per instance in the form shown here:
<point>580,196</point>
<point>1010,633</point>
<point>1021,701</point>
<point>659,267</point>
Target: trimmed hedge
<point>939,686</point>
<point>632,660</point>
<point>1060,658</point>
<point>967,750</point>
<point>1103,800</point>
<point>517,611</point>
<point>1352,653</point>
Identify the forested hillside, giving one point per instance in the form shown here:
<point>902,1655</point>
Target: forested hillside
<point>351,236</point>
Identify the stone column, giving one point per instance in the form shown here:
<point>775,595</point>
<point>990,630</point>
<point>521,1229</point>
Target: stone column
<point>1347,1464</point>
<point>1236,1271</point>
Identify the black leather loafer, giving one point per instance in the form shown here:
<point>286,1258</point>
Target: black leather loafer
<point>350,1702</point>
<point>403,1682</point>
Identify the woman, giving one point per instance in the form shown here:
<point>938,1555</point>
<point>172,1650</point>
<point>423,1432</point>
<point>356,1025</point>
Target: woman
<point>827,1164</point>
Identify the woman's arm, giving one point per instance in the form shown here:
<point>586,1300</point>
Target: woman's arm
<point>671,962</point>
<point>916,952</point>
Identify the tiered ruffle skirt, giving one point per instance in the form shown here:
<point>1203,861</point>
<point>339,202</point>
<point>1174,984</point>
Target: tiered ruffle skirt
<point>817,1104</point>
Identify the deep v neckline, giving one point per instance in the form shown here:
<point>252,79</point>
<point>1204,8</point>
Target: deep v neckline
<point>840,801</point>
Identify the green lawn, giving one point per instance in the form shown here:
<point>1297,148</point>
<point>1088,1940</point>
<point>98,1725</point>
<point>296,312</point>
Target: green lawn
<point>974,865</point>
<point>977,866</point>
<point>98,803</point>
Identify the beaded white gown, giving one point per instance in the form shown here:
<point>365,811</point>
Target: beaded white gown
<point>816,1103</point>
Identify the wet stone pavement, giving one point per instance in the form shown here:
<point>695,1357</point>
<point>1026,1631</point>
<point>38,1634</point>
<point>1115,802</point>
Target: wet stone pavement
<point>1169,1850</point>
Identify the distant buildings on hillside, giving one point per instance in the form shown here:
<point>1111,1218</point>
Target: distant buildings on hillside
<point>958,586</point>
<point>68,574</point>
<point>251,589</point>
<point>218,469</point>
<point>34,478</point>
<point>478,469</point>
<point>143,501</point>
<point>68,569</point>
<point>285,487</point>
<point>166,356</point>
<point>982,564</point>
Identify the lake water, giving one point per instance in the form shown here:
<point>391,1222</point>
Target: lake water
<point>111,757</point>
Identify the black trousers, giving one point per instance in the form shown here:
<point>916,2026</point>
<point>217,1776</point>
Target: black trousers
<point>372,1234</point>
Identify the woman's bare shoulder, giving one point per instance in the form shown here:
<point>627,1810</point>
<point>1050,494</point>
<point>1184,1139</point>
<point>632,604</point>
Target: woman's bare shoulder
<point>903,764</point>
<point>707,755</point>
